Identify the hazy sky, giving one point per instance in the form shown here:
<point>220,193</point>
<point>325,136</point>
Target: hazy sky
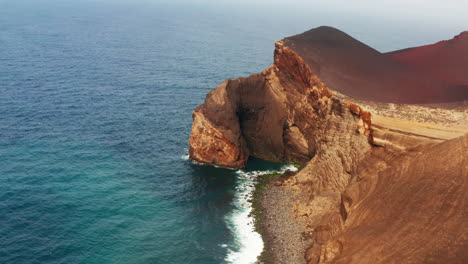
<point>384,25</point>
<point>432,10</point>
<point>418,21</point>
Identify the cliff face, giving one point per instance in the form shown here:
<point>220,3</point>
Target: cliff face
<point>386,188</point>
<point>405,207</point>
<point>284,113</point>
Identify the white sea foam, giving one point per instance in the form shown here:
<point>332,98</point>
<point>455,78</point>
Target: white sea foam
<point>186,156</point>
<point>248,243</point>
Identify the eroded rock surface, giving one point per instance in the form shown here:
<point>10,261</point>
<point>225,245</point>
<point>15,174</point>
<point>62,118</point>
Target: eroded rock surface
<point>283,114</point>
<point>404,207</point>
<point>383,188</point>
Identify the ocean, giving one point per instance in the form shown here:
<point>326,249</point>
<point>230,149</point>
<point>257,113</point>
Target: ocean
<point>95,114</point>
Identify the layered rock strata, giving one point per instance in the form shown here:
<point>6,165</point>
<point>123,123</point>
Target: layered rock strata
<point>387,188</point>
<point>404,207</point>
<point>284,113</point>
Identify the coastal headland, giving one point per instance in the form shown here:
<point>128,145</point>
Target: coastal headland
<point>381,138</point>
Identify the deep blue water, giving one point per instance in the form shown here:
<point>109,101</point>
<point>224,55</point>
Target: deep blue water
<point>95,113</point>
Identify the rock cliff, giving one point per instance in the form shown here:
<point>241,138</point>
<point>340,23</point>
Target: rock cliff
<point>382,188</point>
<point>405,207</point>
<point>283,114</point>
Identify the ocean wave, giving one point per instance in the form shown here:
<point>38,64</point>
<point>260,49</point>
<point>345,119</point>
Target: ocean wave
<point>186,155</point>
<point>248,244</point>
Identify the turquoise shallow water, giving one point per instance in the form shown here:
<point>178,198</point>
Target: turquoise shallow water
<point>96,104</point>
<point>95,113</point>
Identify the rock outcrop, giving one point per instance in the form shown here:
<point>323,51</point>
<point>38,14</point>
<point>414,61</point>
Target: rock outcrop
<point>405,207</point>
<point>283,114</point>
<point>382,188</point>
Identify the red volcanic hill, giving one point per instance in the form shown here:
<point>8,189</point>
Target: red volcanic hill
<point>446,60</point>
<point>429,74</point>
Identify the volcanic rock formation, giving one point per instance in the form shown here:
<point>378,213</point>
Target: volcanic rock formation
<point>404,207</point>
<point>380,188</point>
<point>283,114</point>
<point>428,74</point>
<point>446,61</point>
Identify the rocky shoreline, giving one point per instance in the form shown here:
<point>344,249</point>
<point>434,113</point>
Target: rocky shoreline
<point>372,177</point>
<point>284,240</point>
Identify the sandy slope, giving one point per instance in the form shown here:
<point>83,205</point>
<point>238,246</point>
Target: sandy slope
<point>351,67</point>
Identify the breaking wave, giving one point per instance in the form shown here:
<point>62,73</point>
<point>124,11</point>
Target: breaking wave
<point>248,244</point>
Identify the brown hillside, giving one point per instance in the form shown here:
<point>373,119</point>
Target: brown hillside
<point>357,70</point>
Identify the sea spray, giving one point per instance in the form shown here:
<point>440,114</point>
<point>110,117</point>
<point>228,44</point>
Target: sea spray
<point>248,244</point>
